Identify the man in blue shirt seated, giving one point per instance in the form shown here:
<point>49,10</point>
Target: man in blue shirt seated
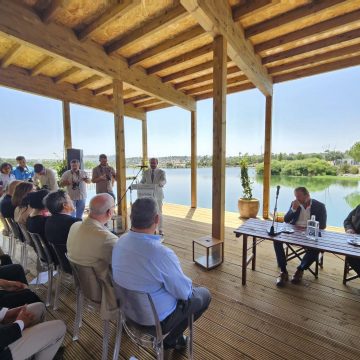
<point>22,171</point>
<point>141,263</point>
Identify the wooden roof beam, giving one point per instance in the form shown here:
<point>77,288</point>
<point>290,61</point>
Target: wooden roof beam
<point>201,51</point>
<point>336,65</point>
<point>346,51</point>
<point>47,60</point>
<point>230,90</point>
<point>113,13</point>
<point>135,98</point>
<point>215,17</point>
<point>66,74</point>
<point>149,102</point>
<point>50,12</point>
<point>293,15</point>
<point>149,28</point>
<point>157,107</point>
<point>173,43</point>
<point>310,31</point>
<point>251,6</point>
<point>21,23</point>
<point>16,78</point>
<point>10,55</point>
<point>83,84</point>
<point>334,40</point>
<point>189,71</point>
<point>103,89</point>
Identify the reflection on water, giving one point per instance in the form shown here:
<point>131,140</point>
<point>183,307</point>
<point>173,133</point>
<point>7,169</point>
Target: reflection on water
<point>339,196</point>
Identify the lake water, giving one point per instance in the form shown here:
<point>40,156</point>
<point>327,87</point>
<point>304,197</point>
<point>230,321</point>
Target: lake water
<point>339,196</point>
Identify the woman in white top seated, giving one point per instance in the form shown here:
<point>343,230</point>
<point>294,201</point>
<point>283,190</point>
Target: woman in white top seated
<point>5,176</point>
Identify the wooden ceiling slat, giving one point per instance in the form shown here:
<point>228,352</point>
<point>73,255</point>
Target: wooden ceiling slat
<point>83,84</point>
<point>336,65</point>
<point>215,17</point>
<point>157,107</point>
<point>20,23</point>
<point>337,39</point>
<point>180,59</point>
<point>62,77</point>
<point>10,55</point>
<point>50,12</point>
<point>250,6</point>
<point>115,12</point>
<point>178,40</point>
<point>135,98</point>
<point>103,89</point>
<point>47,60</point>
<point>148,103</point>
<point>316,58</point>
<point>152,26</point>
<point>20,79</point>
<point>230,90</point>
<point>192,70</point>
<point>293,15</point>
<point>310,31</point>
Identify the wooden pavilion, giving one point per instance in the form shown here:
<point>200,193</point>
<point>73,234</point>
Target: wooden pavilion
<point>134,56</point>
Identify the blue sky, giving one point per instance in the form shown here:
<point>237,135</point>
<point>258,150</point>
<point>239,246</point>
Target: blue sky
<point>310,114</point>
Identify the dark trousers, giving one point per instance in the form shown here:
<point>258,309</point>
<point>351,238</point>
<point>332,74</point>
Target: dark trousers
<point>310,256</point>
<point>177,321</point>
<point>354,263</point>
<point>13,299</point>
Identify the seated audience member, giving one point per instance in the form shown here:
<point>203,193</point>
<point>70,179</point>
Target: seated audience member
<point>14,287</point>
<point>24,333</point>
<point>4,259</point>
<point>5,176</point>
<point>352,226</point>
<point>22,171</point>
<point>90,243</point>
<point>6,207</point>
<point>141,263</point>
<point>36,221</point>
<point>58,225</point>
<point>45,178</point>
<point>301,210</point>
<point>21,202</point>
<point>75,181</point>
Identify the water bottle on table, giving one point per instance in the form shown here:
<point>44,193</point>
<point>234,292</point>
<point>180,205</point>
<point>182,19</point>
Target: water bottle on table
<point>312,228</point>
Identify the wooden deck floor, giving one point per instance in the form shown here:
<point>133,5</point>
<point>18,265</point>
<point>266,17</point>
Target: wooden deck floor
<point>319,319</point>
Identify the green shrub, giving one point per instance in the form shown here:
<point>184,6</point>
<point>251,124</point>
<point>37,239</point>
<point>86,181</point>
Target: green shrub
<point>354,170</point>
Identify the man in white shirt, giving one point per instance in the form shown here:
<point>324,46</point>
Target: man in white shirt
<point>301,210</point>
<point>156,176</point>
<point>45,178</point>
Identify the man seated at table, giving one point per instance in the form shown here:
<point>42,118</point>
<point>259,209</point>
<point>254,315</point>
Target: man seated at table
<point>301,210</point>
<point>352,226</point>
<point>141,263</point>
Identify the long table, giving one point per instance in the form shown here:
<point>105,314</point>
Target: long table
<point>336,243</point>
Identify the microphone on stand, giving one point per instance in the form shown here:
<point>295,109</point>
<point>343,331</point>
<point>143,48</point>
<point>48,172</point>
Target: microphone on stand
<point>272,231</point>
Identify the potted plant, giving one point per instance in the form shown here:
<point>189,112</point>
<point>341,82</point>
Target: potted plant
<point>248,206</point>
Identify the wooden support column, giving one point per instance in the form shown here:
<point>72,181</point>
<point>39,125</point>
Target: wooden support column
<point>219,137</point>
<point>267,157</point>
<point>193,160</point>
<point>144,142</point>
<point>120,150</point>
<point>66,127</point>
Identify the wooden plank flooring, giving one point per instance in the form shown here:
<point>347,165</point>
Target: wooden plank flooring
<point>318,319</point>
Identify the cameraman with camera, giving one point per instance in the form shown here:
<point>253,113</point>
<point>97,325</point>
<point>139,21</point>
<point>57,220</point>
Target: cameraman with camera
<point>75,181</point>
<point>103,176</point>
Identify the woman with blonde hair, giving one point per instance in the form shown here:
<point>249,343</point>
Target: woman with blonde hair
<point>21,203</point>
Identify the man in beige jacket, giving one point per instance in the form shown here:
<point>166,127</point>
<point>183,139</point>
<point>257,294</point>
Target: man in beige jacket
<point>90,243</point>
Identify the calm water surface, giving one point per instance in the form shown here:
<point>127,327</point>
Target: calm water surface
<point>339,196</point>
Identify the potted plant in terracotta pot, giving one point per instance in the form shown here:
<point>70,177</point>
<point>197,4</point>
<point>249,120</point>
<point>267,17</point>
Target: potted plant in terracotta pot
<point>248,206</point>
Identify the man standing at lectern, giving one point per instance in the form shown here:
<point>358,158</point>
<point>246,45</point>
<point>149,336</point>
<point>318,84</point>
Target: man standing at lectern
<point>156,176</point>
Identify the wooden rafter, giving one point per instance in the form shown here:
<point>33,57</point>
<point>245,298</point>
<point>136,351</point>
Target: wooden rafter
<point>21,23</point>
<point>20,79</point>
<point>337,39</point>
<point>83,84</point>
<point>215,16</point>
<point>201,51</point>
<point>66,74</point>
<point>103,89</point>
<point>149,102</point>
<point>157,107</point>
<point>50,12</point>
<point>229,90</point>
<point>250,6</point>
<point>293,15</point>
<point>150,27</point>
<point>115,12</point>
<point>10,55</point>
<point>346,51</point>
<point>310,31</point>
<point>173,43</point>
<point>47,60</point>
<point>135,98</point>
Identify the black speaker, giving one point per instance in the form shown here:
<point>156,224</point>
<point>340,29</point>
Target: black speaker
<point>72,154</point>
